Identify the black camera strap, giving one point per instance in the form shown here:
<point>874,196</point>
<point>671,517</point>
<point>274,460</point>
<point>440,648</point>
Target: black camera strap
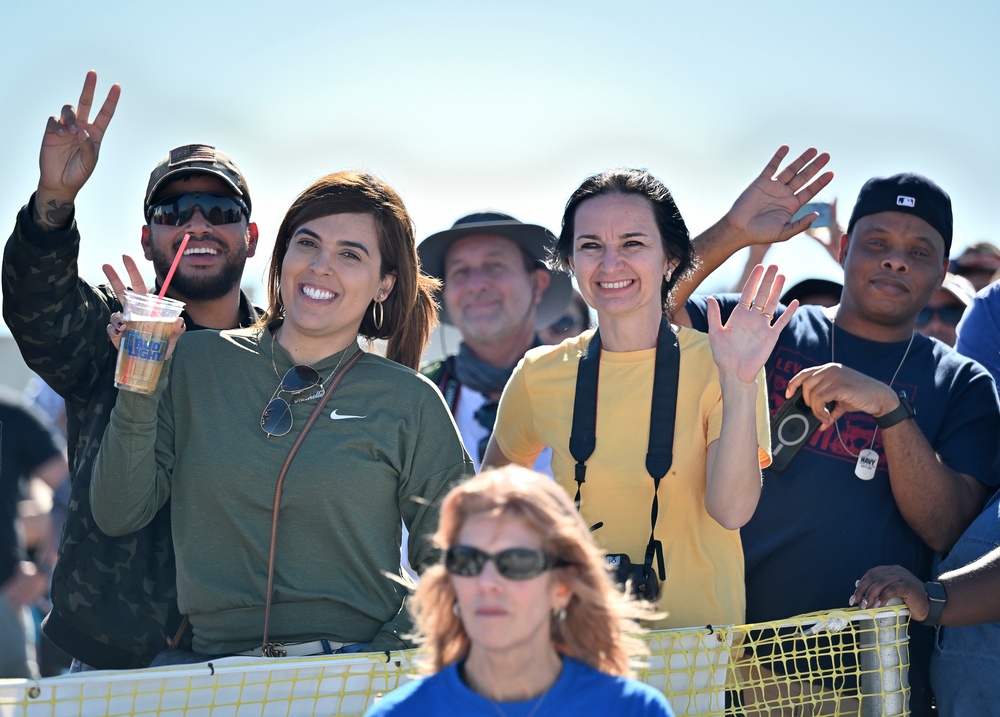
<point>662,415</point>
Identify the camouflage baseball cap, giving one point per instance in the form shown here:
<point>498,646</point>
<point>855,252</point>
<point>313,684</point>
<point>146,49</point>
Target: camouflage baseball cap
<point>193,159</point>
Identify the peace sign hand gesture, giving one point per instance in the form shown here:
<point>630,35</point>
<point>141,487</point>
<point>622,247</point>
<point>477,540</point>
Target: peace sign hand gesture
<point>70,148</point>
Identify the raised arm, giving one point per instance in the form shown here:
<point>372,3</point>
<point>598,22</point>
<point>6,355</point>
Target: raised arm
<point>58,320</point>
<point>131,480</point>
<point>762,214</point>
<point>740,348</point>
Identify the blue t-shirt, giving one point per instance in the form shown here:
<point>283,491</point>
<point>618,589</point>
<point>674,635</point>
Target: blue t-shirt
<point>966,660</point>
<point>817,527</point>
<point>979,330</point>
<point>579,690</point>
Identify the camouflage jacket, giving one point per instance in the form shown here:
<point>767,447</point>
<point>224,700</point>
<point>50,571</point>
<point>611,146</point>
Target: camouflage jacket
<point>114,599</point>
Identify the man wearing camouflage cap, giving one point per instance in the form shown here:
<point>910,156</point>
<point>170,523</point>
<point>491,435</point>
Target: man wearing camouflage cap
<point>114,599</point>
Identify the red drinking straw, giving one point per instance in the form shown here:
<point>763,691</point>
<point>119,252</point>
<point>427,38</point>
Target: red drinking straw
<point>173,266</point>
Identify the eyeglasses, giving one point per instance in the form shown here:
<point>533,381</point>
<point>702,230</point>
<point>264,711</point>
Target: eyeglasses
<point>513,563</point>
<point>949,315</point>
<point>486,416</point>
<point>277,417</point>
<point>178,209</point>
<point>563,325</point>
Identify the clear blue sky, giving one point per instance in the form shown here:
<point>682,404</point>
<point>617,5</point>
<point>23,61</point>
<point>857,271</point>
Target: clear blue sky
<point>464,106</point>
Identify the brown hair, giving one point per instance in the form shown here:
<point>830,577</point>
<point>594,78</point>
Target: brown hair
<point>673,231</point>
<point>410,310</point>
<point>598,616</point>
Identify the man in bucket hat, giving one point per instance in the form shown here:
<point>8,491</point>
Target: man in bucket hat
<point>498,292</point>
<point>114,599</point>
<point>903,459</point>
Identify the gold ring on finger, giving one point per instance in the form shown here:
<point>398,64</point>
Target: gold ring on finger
<point>744,303</point>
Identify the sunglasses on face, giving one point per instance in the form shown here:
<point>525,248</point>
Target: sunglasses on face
<point>465,561</point>
<point>277,417</point>
<point>949,315</point>
<point>563,325</point>
<point>178,209</point>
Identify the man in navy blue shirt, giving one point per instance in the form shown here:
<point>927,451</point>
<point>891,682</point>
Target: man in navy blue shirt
<point>901,463</point>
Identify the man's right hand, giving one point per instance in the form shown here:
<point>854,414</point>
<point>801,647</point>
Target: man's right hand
<point>762,214</point>
<point>69,154</point>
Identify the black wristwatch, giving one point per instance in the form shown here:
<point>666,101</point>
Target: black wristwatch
<point>899,414</point>
<point>937,597</point>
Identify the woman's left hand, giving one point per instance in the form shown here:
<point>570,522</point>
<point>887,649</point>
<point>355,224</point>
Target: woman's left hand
<point>743,345</point>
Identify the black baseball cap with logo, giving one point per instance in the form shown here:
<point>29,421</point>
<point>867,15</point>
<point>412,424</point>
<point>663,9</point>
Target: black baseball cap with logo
<point>907,193</point>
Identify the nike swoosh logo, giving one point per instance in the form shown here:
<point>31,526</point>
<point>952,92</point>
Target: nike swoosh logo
<point>337,417</point>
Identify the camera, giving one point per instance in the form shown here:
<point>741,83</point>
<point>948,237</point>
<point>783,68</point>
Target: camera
<point>791,427</point>
<point>639,580</point>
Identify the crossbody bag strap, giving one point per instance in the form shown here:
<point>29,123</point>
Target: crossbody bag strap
<point>448,383</point>
<point>583,434</point>
<point>268,649</point>
<point>662,419</point>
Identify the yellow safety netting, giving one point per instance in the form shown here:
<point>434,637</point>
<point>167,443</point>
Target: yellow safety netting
<point>851,662</point>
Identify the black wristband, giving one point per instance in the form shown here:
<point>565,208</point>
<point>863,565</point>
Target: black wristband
<point>937,598</point>
<point>899,414</point>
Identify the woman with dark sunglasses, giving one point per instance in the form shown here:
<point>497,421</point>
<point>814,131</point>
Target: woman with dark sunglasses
<point>939,319</point>
<point>309,564</point>
<point>572,323</point>
<point>521,617</point>
<point>663,445</point>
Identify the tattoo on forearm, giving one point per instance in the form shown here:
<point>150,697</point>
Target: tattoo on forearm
<point>56,215</point>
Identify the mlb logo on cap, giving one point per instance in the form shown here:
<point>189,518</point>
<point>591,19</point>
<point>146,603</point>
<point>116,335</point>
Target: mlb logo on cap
<point>899,193</point>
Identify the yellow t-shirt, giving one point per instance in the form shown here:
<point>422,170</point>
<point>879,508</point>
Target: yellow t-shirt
<point>704,561</point>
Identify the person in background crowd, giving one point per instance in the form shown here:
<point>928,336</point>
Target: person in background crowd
<point>813,292</point>
<point>906,450</point>
<point>575,321</point>
<point>966,653</point>
<point>979,330</point>
<point>29,449</point>
<point>114,599</point>
<point>521,617</point>
<point>963,601</point>
<point>344,265</point>
<point>498,292</point>
<point>979,263</point>
<point>38,394</point>
<point>940,317</point>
